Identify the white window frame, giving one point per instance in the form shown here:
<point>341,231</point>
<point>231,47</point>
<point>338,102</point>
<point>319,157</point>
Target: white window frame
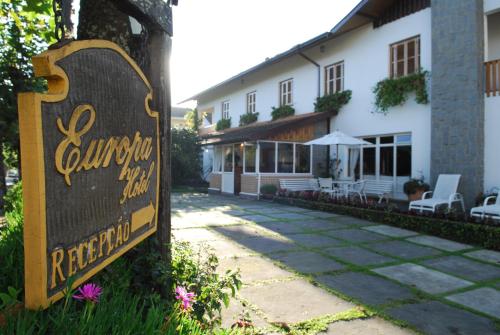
<point>245,145</point>
<point>333,79</point>
<point>276,160</point>
<point>251,102</point>
<point>225,109</point>
<point>286,92</point>
<point>393,50</point>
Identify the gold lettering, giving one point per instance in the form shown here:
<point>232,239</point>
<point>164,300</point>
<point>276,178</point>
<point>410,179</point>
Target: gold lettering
<point>111,231</point>
<point>81,263</point>
<point>92,250</point>
<point>126,231</point>
<point>71,261</point>
<point>119,236</point>
<point>57,259</point>
<point>102,241</point>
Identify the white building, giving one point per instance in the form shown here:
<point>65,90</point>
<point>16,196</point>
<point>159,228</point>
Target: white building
<point>377,40</point>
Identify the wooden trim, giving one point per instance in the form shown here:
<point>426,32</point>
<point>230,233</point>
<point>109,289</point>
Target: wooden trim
<point>492,77</point>
<point>393,60</point>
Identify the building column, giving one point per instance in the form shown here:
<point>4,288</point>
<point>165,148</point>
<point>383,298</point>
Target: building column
<point>457,95</point>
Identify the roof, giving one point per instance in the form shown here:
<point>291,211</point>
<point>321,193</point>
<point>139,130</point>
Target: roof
<point>264,129</point>
<point>364,12</point>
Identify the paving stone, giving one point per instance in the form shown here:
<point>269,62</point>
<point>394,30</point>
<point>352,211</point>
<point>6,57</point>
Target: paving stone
<point>290,216</point>
<point>237,232</point>
<point>464,267</point>
<point>436,318</point>
<point>321,215</point>
<point>485,256</point>
<point>353,222</point>
<point>358,256</point>
<point>391,231</point>
<point>372,326</point>
<point>236,311</point>
<point>293,209</point>
<point>439,243</point>
<point>307,262</point>
<point>293,301</point>
<point>484,299</point>
<point>403,249</point>
<point>253,268</point>
<point>425,279</point>
<point>318,225</point>
<point>268,244</point>
<point>194,235</point>
<point>282,227</point>
<point>235,212</point>
<point>257,218</point>
<point>356,235</point>
<point>269,210</point>
<point>224,249</point>
<point>315,240</point>
<point>371,290</point>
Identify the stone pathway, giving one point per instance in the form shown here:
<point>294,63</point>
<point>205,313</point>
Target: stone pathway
<point>299,265</point>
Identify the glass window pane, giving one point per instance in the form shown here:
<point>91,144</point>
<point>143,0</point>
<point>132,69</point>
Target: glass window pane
<point>387,161</point>
<point>403,161</point>
<point>400,52</point>
<point>250,158</point>
<point>285,157</point>
<point>400,71</point>
<point>267,157</point>
<point>369,161</point>
<point>411,48</point>
<point>403,138</point>
<point>371,139</point>
<point>339,70</point>
<point>411,65</point>
<point>339,85</point>
<point>228,159</point>
<point>386,139</point>
<point>302,158</point>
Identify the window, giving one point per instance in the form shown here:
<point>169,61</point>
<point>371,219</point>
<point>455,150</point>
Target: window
<point>250,151</point>
<point>225,109</point>
<point>228,158</point>
<point>217,159</point>
<point>302,158</point>
<point>285,157</point>
<point>405,57</point>
<point>286,92</point>
<point>267,157</point>
<point>369,161</point>
<point>251,102</point>
<point>334,78</point>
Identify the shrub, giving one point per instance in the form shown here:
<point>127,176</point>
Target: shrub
<point>393,92</point>
<point>332,102</point>
<point>282,111</point>
<point>186,158</point>
<point>248,118</point>
<point>223,124</point>
<point>268,189</point>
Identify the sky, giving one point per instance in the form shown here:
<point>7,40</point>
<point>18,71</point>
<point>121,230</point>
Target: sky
<point>214,40</point>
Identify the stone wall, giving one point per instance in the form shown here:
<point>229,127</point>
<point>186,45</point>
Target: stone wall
<point>457,101</point>
<point>215,180</point>
<point>249,184</point>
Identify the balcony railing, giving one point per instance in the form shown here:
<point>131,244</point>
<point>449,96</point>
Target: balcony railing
<point>492,76</point>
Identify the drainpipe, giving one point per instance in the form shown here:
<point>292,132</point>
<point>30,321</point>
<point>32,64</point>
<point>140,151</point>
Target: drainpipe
<point>319,70</point>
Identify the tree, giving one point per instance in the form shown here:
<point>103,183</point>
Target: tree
<point>26,29</point>
<point>186,157</point>
<point>193,120</point>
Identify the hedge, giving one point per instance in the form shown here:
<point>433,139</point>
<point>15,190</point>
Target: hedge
<point>482,235</point>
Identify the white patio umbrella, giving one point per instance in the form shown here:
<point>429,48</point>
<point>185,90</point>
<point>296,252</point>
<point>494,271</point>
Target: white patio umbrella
<point>338,138</point>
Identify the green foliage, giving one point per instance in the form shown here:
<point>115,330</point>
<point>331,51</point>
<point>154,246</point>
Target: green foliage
<point>10,156</point>
<point>282,111</point>
<point>413,185</point>
<point>394,92</point>
<point>193,120</point>
<point>248,118</point>
<point>268,189</point>
<point>223,124</point>
<point>26,29</point>
<point>186,157</point>
<point>332,102</point>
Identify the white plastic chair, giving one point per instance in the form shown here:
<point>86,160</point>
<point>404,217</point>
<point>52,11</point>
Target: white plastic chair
<point>357,188</point>
<point>445,193</point>
<point>326,186</point>
<point>487,211</point>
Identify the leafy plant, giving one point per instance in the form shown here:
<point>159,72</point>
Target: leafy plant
<point>282,111</point>
<point>193,120</point>
<point>393,92</point>
<point>269,189</point>
<point>186,159</point>
<point>223,124</point>
<point>414,185</point>
<point>248,118</point>
<point>332,102</point>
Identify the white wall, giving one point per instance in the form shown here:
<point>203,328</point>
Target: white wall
<point>493,37</point>
<point>491,142</point>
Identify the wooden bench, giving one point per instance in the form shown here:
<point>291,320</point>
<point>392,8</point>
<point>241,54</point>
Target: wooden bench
<point>304,184</point>
<point>380,188</point>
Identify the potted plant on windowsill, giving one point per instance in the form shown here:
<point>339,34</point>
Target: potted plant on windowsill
<point>268,191</point>
<point>415,188</point>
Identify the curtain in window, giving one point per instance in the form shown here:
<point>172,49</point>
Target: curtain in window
<point>353,160</point>
<point>218,159</point>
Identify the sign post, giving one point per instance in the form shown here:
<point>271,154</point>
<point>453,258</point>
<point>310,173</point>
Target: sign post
<point>91,165</point>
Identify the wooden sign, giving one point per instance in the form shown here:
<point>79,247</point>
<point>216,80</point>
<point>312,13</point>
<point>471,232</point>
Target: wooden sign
<point>90,159</point>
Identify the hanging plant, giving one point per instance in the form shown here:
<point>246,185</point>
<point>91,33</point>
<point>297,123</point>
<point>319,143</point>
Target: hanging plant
<point>223,124</point>
<point>248,118</point>
<point>332,102</point>
<point>282,111</point>
<point>393,92</point>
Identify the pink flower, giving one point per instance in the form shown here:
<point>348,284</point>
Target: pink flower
<point>89,292</point>
<point>186,297</point>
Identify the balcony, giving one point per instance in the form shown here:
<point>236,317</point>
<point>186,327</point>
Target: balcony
<point>492,78</point>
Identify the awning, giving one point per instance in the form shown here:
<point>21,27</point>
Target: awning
<point>265,129</point>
